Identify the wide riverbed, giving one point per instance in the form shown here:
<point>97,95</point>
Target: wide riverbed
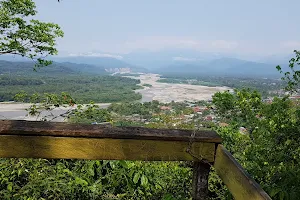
<point>167,92</point>
<point>163,92</point>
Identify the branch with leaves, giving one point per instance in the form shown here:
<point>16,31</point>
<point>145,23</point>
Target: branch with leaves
<point>21,35</point>
<point>292,77</point>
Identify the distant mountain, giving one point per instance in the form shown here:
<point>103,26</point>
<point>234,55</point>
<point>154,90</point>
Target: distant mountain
<point>223,67</point>
<point>277,59</point>
<point>54,69</point>
<point>225,63</point>
<point>171,61</point>
<point>218,63</point>
<point>107,63</point>
<point>253,69</point>
<point>83,68</point>
<point>158,59</point>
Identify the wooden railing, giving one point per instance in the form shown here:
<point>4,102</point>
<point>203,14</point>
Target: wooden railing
<point>31,139</point>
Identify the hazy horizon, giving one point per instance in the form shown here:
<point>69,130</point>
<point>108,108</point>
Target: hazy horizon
<point>253,28</point>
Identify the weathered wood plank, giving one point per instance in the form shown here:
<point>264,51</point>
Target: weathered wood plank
<point>34,128</point>
<point>200,180</point>
<point>15,146</point>
<point>238,181</point>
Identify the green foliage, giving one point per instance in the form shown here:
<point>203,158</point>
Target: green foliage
<point>292,77</point>
<point>25,69</point>
<point>270,151</point>
<point>79,113</point>
<point>89,114</point>
<point>77,179</point>
<point>241,107</point>
<point>85,88</point>
<point>26,37</point>
<point>145,109</point>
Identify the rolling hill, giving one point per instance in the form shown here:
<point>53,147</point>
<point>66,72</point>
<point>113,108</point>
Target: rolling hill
<point>107,63</point>
<point>26,68</point>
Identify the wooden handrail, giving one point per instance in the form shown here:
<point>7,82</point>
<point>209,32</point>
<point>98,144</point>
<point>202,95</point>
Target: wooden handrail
<point>238,181</point>
<point>28,139</point>
<point>32,139</point>
<point>62,129</point>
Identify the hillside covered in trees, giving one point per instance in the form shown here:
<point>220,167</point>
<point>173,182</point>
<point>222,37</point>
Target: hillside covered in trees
<point>85,82</point>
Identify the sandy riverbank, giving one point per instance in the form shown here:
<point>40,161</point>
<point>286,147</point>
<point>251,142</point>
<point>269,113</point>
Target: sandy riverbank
<point>167,92</point>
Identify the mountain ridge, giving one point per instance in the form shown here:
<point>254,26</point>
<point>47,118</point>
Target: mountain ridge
<point>224,67</point>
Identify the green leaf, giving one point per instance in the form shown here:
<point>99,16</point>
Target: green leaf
<point>168,197</point>
<point>136,178</point>
<point>123,164</point>
<point>67,171</point>
<point>281,195</point>
<point>288,142</point>
<point>10,186</point>
<point>274,191</point>
<point>144,180</point>
<point>278,68</point>
<point>91,171</point>
<point>80,181</point>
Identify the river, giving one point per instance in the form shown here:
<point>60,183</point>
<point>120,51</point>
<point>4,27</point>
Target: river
<point>162,92</point>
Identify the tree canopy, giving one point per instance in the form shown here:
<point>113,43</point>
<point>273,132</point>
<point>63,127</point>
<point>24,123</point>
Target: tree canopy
<point>21,34</point>
<point>270,151</point>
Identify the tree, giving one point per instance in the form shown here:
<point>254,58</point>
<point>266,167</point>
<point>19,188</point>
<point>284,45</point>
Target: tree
<point>270,152</point>
<point>24,36</point>
<point>292,77</point>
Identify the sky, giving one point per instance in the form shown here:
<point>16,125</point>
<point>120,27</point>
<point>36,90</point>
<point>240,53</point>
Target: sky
<point>256,27</point>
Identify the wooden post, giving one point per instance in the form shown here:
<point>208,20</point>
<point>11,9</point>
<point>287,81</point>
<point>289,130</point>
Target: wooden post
<point>200,180</point>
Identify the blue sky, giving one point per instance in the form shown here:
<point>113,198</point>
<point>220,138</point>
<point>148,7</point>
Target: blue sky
<point>256,27</point>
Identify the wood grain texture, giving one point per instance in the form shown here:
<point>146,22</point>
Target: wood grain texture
<point>13,146</point>
<point>62,129</point>
<point>238,181</point>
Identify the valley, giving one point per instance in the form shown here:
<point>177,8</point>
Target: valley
<point>151,90</point>
<point>167,92</point>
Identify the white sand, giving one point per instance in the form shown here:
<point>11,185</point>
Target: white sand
<point>167,92</point>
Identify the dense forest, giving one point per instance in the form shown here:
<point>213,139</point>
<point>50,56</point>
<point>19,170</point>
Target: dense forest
<point>80,80</point>
<point>27,68</point>
<point>84,88</point>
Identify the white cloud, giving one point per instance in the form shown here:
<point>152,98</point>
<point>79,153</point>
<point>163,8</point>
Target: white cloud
<point>102,55</point>
<point>185,59</point>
